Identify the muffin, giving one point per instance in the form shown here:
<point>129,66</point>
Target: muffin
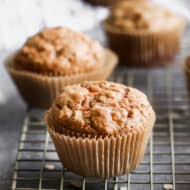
<point>187,72</point>
<point>143,33</point>
<point>56,57</point>
<point>100,128</point>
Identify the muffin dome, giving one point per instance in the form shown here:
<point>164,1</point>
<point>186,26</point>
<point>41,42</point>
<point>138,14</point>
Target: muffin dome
<point>144,33</point>
<point>100,108</point>
<point>143,15</point>
<point>59,51</point>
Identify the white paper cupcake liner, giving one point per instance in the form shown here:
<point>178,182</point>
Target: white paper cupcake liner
<point>102,157</point>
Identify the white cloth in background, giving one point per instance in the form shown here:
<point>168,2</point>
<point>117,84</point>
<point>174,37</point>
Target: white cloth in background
<point>179,6</point>
<point>22,18</point>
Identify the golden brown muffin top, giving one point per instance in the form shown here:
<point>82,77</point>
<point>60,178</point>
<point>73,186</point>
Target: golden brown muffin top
<point>142,16</point>
<point>60,51</point>
<point>100,108</point>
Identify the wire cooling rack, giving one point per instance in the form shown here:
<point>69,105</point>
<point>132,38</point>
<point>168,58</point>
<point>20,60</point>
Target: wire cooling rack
<point>166,164</point>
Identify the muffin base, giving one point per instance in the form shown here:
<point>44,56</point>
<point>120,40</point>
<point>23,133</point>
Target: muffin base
<point>102,157</point>
<point>144,48</point>
<point>40,90</point>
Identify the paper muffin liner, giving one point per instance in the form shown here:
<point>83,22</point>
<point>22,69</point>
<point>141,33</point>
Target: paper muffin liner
<point>145,48</point>
<point>40,90</point>
<point>187,72</point>
<point>101,157</point>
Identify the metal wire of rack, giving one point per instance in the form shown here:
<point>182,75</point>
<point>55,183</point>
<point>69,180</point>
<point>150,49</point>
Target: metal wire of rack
<point>166,163</point>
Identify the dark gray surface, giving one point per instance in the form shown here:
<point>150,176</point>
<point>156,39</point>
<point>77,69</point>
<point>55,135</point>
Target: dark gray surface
<point>12,111</point>
<point>10,122</point>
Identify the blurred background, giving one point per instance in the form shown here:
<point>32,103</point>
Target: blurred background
<point>20,18</point>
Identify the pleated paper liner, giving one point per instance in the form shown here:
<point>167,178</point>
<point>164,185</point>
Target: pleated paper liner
<point>186,66</point>
<point>144,48</point>
<point>40,90</point>
<point>101,157</point>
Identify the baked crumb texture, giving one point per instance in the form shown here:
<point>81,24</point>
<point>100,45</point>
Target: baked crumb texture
<point>60,51</point>
<point>142,16</point>
<point>100,108</point>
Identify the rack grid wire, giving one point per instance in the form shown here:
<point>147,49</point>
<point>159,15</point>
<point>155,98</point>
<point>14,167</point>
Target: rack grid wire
<point>166,163</point>
<point>167,159</point>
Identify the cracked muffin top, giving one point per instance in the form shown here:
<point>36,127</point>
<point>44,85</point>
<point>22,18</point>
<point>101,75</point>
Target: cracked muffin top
<point>100,108</point>
<point>60,51</point>
<point>142,16</point>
